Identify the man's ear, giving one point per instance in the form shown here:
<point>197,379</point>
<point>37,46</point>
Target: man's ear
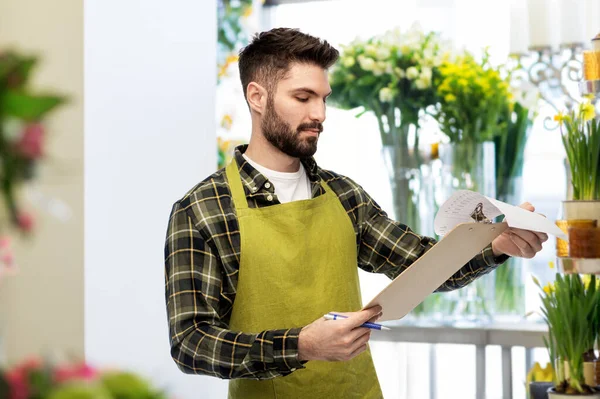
<point>257,97</point>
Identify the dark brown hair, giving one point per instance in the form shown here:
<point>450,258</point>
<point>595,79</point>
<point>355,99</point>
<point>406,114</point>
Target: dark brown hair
<point>270,54</point>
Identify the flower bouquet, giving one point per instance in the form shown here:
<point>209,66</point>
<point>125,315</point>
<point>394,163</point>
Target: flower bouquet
<point>391,76</point>
<point>474,99</point>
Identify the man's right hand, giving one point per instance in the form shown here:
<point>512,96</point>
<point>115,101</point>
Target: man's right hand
<point>336,340</point>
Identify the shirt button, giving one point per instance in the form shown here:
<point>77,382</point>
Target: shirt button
<point>269,197</point>
<point>268,185</point>
<point>254,189</point>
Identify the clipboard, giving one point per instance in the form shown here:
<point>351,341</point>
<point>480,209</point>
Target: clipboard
<point>435,267</point>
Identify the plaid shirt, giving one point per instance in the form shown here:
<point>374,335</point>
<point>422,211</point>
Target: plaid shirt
<point>202,253</point>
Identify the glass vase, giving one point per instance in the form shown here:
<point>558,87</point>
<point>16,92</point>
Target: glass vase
<point>412,188</point>
<point>510,277</point>
<point>468,166</point>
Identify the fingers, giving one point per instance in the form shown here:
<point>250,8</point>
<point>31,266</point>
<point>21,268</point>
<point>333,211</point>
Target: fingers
<point>358,350</point>
<point>525,249</point>
<point>361,341</point>
<point>543,237</point>
<point>376,317</point>
<point>530,237</point>
<point>357,318</point>
<point>528,206</point>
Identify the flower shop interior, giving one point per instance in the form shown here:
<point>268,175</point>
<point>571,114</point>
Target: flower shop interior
<point>111,110</point>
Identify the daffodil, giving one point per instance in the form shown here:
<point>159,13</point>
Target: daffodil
<point>549,288</point>
<point>588,111</point>
<point>560,118</point>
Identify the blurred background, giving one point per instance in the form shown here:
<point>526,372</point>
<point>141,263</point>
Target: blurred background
<point>112,110</point>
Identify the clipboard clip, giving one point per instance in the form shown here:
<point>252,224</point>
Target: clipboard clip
<point>478,216</point>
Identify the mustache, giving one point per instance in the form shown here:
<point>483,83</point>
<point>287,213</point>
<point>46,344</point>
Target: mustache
<point>314,125</point>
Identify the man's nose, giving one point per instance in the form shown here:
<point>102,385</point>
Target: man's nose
<point>317,113</point>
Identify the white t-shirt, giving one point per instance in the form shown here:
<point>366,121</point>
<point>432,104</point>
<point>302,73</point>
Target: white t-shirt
<point>288,186</point>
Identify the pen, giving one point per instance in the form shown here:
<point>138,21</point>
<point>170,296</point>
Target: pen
<point>373,326</point>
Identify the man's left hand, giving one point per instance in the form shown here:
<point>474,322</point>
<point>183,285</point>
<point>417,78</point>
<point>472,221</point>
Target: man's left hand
<point>518,242</point>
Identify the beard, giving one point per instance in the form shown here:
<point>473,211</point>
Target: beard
<point>289,141</point>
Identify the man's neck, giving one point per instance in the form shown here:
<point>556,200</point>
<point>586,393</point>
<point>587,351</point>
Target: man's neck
<point>265,154</point>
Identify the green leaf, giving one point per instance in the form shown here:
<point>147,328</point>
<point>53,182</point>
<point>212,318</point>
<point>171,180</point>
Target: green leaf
<point>28,107</point>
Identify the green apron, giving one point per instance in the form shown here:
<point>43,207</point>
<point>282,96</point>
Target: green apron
<point>298,262</point>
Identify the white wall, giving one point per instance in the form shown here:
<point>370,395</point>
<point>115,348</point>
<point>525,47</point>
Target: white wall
<point>150,77</point>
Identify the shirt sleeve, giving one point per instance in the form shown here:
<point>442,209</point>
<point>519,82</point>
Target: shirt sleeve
<point>389,247</point>
<point>198,312</point>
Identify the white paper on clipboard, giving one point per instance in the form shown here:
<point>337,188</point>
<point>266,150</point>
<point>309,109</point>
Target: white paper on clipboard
<point>463,240</point>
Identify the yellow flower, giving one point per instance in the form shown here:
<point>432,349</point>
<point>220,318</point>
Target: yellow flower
<point>247,12</point>
<point>586,281</point>
<point>551,265</point>
<point>560,118</point>
<point>450,98</point>
<point>228,61</point>
<point>549,288</point>
<point>537,373</point>
<point>588,111</point>
<point>226,121</point>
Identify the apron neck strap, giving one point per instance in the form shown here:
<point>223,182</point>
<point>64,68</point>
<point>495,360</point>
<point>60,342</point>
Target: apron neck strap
<point>235,185</point>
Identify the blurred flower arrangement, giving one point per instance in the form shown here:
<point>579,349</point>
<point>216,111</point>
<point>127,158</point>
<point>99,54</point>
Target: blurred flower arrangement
<point>571,309</point>
<point>391,76</point>
<point>580,133</point>
<point>22,136</point>
<point>36,379</point>
<point>230,30</point>
<point>22,132</point>
<point>236,21</point>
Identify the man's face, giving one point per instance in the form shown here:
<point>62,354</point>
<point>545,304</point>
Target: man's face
<point>295,112</point>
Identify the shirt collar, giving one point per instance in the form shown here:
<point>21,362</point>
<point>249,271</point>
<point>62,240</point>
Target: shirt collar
<point>253,180</point>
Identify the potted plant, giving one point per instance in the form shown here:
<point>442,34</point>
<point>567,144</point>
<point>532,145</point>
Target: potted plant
<point>580,133</point>
<point>571,309</point>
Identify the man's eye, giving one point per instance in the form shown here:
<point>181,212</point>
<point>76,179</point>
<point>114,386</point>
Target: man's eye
<point>302,100</point>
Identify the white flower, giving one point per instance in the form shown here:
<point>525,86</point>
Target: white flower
<point>412,73</point>
<point>348,62</point>
<point>383,53</point>
<point>525,93</point>
<point>423,83</point>
<point>399,72</point>
<point>428,54</point>
<point>426,73</point>
<point>380,68</point>
<point>366,63</point>
<point>420,84</point>
<point>404,49</point>
<point>371,50</point>
<point>386,95</point>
